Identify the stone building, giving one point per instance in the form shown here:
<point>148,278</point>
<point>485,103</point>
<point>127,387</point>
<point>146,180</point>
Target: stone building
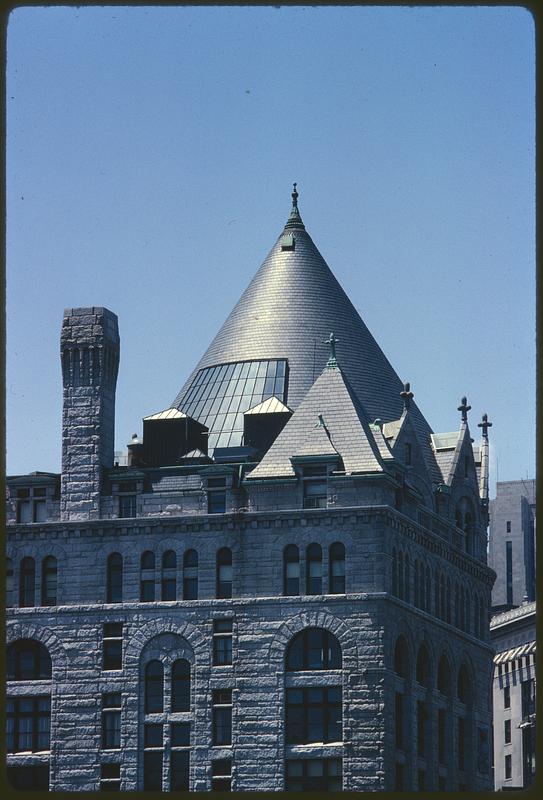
<point>512,543</point>
<point>286,588</point>
<point>514,697</point>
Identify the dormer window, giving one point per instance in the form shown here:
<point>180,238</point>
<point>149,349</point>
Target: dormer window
<point>216,495</point>
<point>31,505</point>
<point>127,499</point>
<point>315,486</point>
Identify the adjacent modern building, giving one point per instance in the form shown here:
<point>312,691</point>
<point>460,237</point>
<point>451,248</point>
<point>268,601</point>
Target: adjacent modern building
<point>514,697</point>
<point>286,587</point>
<point>512,543</point>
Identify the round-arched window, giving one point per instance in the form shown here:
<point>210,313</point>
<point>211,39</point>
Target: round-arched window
<point>313,648</point>
<point>27,660</point>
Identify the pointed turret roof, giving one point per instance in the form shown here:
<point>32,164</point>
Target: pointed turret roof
<point>287,310</point>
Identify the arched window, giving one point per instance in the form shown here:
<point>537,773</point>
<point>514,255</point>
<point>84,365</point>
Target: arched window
<point>313,648</point>
<point>462,608</point>
<point>442,596</point>
<point>401,591</point>
<point>147,577</point>
<point>169,577</point>
<point>224,572</point>
<point>114,578</point>
<point>468,530</point>
<point>9,583</point>
<point>337,568</point>
<point>154,687</point>
<point>458,519</point>
<point>483,621</point>
<point>456,605</point>
<point>27,582</point>
<point>314,569</point>
<point>181,685</point>
<point>423,667</point>
<point>417,583</point>
<point>463,685</point>
<point>444,676</point>
<point>428,592</point>
<point>190,575</point>
<point>28,660</point>
<point>291,570</point>
<point>395,588</point>
<point>49,581</point>
<point>401,657</point>
<point>406,582</point>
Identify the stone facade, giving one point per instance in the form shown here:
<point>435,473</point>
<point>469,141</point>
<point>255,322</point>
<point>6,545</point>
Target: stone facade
<point>311,614</point>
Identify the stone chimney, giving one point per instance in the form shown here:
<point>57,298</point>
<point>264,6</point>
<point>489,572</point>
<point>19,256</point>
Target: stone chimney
<point>89,350</point>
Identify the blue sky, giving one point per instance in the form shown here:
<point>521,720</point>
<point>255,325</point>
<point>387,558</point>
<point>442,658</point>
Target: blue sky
<point>150,157</point>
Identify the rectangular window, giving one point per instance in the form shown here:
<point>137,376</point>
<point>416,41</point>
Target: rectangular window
<point>508,526</point>
<point>24,511</point>
<point>29,777</point>
<point>399,720</point>
<point>528,698</point>
<point>127,506</point>
<point>39,511</point>
<point>152,770</point>
<point>507,697</point>
<point>112,646</point>
<point>461,743</point>
<point>441,735</point>
<point>507,731</point>
<point>111,721</point>
<point>221,775</point>
<point>399,778</point>
<point>222,642</point>
<point>110,777</point>
<point>508,768</point>
<point>222,716</point>
<point>180,734</point>
<point>147,588</point>
<point>313,715</point>
<point>179,770</point>
<point>422,725</point>
<point>216,495</point>
<point>153,735</point>
<point>509,571</point>
<point>315,487</point>
<point>313,775</point>
<point>482,751</point>
<point>28,724</point>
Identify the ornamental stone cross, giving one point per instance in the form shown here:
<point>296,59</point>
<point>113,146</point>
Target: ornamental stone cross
<point>406,395</point>
<point>485,425</point>
<point>464,408</point>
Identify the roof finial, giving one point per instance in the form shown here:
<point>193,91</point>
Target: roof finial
<point>332,341</point>
<point>485,425</point>
<point>464,408</point>
<point>406,395</point>
<point>294,220</point>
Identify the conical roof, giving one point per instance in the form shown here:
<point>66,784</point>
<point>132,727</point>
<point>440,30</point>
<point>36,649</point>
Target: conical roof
<point>287,311</point>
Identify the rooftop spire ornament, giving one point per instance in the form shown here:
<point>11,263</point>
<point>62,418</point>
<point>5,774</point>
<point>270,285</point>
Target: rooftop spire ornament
<point>406,395</point>
<point>332,341</point>
<point>485,425</point>
<point>464,408</point>
<point>294,220</point>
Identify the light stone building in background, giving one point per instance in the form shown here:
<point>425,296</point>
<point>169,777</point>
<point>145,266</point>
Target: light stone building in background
<point>286,587</point>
